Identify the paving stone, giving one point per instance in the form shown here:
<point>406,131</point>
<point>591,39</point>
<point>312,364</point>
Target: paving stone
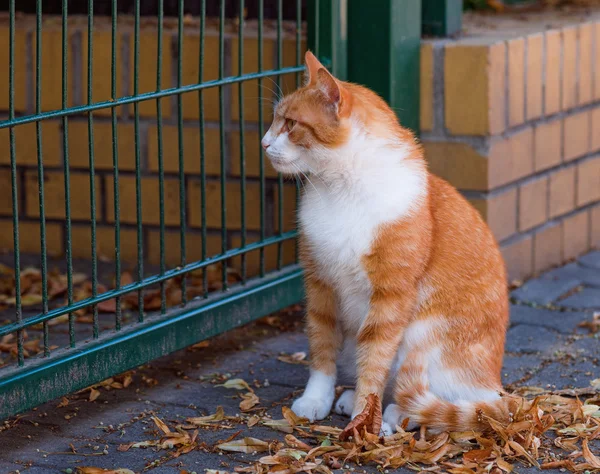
<point>591,260</point>
<point>587,276</point>
<point>519,366</point>
<point>545,289</point>
<point>559,376</point>
<point>526,339</point>
<point>565,322</point>
<point>588,298</point>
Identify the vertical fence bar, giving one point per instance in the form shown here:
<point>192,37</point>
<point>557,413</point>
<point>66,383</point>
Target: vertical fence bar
<point>182,227</point>
<point>115,153</point>
<point>94,254</point>
<point>279,175</point>
<point>441,17</point>
<point>396,28</point>
<point>222,142</point>
<point>13,180</point>
<point>202,144</point>
<point>242,141</point>
<point>40,171</point>
<point>261,132</point>
<point>65,125</point>
<point>138,166</point>
<point>161,168</point>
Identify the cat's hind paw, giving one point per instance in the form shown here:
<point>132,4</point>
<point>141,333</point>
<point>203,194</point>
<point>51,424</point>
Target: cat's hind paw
<point>311,408</point>
<point>345,404</point>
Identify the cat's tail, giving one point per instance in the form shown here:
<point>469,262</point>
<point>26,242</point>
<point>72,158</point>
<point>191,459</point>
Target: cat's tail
<point>426,409</point>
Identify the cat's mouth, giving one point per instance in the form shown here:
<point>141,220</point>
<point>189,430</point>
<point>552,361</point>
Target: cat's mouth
<point>285,166</point>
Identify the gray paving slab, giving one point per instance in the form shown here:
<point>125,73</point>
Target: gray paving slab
<point>545,289</point>
<point>588,298</point>
<point>586,275</point>
<point>528,339</point>
<point>562,321</point>
<point>591,260</point>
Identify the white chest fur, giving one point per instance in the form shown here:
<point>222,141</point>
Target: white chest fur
<point>341,220</point>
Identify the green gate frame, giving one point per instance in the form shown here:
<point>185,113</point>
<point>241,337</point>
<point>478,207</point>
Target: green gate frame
<point>388,63</point>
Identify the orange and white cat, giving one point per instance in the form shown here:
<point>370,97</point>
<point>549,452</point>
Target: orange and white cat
<point>404,281</point>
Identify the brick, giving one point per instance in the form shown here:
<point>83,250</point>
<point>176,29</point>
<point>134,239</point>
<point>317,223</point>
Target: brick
<point>576,135</point>
<point>288,254</point>
<point>569,68</point>
<point>81,238</point>
<point>234,208</point>
<point>54,194</point>
<point>511,158</point>
<point>552,89</point>
<point>251,154</point>
<point>533,203</point>
<point>474,91</point>
<point>255,97</point>
<point>26,144</point>
<point>102,67</point>
<point>426,87</point>
<point>595,128</point>
<point>518,256</point>
<point>516,81</point>
<point>29,238</point>
<point>19,67</point>
<point>595,226</point>
<point>547,248</point>
<point>596,60</point>
<point>585,89</point>
<point>548,144</point>
<point>52,69</point>
<point>575,235</point>
<point>5,184</point>
<point>535,50</point>
<point>588,181</point>
<point>193,246</point>
<point>189,75</point>
<point>458,163</point>
<point>103,151</point>
<point>499,210</point>
<point>150,200</point>
<point>191,149</point>
<point>562,191</point>
<point>148,64</point>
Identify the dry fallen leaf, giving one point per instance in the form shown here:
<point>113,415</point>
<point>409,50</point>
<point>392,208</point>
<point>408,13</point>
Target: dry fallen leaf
<point>249,401</point>
<point>237,384</point>
<point>94,394</point>
<point>245,445</point>
<point>369,419</point>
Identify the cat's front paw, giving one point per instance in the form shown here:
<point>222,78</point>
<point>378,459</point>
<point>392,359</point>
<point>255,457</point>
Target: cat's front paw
<point>345,404</point>
<point>312,408</point>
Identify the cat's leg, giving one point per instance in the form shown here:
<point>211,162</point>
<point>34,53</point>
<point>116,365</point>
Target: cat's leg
<point>324,337</point>
<point>378,341</point>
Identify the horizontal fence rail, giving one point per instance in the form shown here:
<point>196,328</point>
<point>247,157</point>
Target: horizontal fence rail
<point>143,216</point>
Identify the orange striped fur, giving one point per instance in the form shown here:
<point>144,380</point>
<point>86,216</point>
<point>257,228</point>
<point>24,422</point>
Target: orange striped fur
<point>406,287</point>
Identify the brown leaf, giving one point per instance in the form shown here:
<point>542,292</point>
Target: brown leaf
<point>589,456</point>
<point>369,419</point>
<point>250,400</point>
<point>245,445</point>
<point>162,426</point>
<point>94,394</point>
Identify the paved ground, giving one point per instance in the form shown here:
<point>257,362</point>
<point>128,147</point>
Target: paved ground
<point>545,348</point>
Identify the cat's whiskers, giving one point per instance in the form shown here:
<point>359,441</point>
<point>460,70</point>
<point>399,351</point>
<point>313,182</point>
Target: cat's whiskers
<point>307,178</point>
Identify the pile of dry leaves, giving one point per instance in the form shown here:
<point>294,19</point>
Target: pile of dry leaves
<point>549,430</point>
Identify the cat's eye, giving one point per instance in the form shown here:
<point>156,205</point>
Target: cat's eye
<point>289,123</point>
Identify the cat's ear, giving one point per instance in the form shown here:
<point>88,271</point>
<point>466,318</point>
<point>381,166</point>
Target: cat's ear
<point>328,85</point>
<point>312,67</point>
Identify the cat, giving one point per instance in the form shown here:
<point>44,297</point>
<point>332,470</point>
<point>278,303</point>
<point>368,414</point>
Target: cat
<point>405,284</point>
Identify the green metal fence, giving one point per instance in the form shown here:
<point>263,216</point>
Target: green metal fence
<point>122,339</point>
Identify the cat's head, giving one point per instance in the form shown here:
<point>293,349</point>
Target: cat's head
<point>322,125</point>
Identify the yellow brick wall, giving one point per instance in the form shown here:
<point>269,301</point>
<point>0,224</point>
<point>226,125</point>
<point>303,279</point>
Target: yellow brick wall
<point>514,124</point>
<point>145,145</point>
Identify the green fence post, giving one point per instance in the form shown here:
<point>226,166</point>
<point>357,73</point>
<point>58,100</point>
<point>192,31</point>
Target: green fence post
<point>328,35</point>
<point>442,17</point>
<point>384,39</point>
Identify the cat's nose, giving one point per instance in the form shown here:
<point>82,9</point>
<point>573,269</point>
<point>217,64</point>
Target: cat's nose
<point>264,144</point>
